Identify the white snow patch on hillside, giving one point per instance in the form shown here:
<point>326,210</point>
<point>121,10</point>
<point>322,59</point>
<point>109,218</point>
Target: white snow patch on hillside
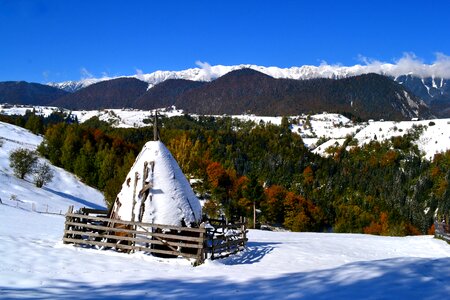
<point>435,137</point>
<point>323,126</point>
<point>18,109</point>
<point>126,118</point>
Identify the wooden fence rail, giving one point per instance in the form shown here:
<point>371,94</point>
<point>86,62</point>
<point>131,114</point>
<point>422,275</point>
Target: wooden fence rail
<point>225,238</point>
<point>101,232</point>
<point>442,230</point>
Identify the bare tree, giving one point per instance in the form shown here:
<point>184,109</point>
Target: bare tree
<point>42,174</point>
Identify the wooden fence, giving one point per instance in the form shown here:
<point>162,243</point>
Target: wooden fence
<point>225,238</point>
<point>92,228</point>
<point>442,230</point>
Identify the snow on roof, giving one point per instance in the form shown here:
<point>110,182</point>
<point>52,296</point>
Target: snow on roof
<point>161,193</point>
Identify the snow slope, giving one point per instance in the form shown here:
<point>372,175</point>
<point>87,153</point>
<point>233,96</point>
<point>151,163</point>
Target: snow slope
<point>435,137</point>
<point>64,190</point>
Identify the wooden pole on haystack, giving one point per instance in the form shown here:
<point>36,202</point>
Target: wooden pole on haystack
<point>155,127</point>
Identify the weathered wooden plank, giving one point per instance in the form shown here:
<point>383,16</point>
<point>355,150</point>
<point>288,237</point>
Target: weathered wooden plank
<point>66,226</point>
<point>86,210</point>
<point>127,247</point>
<point>115,221</point>
<point>130,231</point>
<point>132,239</point>
<point>223,237</point>
<point>201,251</point>
<point>224,255</point>
<point>239,242</point>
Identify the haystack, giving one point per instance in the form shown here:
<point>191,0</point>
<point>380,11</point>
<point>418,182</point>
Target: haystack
<point>156,191</point>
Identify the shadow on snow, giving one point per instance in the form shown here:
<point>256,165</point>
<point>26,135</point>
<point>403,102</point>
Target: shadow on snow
<point>254,253</point>
<point>398,278</point>
<point>73,198</point>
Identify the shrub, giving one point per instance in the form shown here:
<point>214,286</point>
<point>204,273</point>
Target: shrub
<point>42,174</point>
<point>22,161</point>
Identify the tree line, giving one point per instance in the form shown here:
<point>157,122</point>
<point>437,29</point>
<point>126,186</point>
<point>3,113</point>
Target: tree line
<point>383,188</point>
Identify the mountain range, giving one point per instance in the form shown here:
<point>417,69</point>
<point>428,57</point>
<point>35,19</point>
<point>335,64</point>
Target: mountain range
<point>252,89</point>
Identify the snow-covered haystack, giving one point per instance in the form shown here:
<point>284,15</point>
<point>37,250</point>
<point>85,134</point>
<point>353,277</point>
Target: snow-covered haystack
<point>156,191</point>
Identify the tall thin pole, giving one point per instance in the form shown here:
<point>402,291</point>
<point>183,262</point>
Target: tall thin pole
<point>155,126</point>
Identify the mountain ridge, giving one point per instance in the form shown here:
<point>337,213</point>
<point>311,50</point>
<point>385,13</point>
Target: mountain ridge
<point>209,73</point>
<point>246,90</point>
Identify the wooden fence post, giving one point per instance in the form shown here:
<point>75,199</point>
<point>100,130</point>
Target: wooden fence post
<point>244,231</point>
<point>201,251</point>
<point>68,219</point>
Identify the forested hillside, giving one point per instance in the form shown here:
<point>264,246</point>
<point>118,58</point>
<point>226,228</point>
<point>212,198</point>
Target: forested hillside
<point>367,96</point>
<point>383,188</point>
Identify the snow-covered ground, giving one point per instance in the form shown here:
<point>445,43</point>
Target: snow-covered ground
<point>64,190</point>
<point>35,264</point>
<point>277,265</point>
<point>434,138</point>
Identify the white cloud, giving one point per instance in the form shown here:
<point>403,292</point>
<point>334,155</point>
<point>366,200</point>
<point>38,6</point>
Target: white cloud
<point>139,74</point>
<point>46,74</point>
<point>206,70</point>
<point>85,74</point>
<point>105,75</point>
<point>409,63</point>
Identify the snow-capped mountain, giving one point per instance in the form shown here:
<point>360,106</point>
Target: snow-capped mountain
<point>206,72</point>
<point>427,88</point>
<point>73,86</point>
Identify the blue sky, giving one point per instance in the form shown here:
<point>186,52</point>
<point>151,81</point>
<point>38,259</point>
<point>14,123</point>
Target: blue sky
<point>43,41</point>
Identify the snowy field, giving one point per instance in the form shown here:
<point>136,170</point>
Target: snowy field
<point>35,264</point>
<point>277,265</point>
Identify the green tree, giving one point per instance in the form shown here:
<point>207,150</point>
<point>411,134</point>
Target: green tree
<point>35,124</point>
<point>22,161</point>
<point>255,193</point>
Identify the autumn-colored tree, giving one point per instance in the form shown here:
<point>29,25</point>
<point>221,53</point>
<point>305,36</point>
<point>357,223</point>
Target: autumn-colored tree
<point>380,227</point>
<point>273,205</point>
<point>301,214</point>
<point>180,149</point>
<point>308,175</point>
<point>221,184</point>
